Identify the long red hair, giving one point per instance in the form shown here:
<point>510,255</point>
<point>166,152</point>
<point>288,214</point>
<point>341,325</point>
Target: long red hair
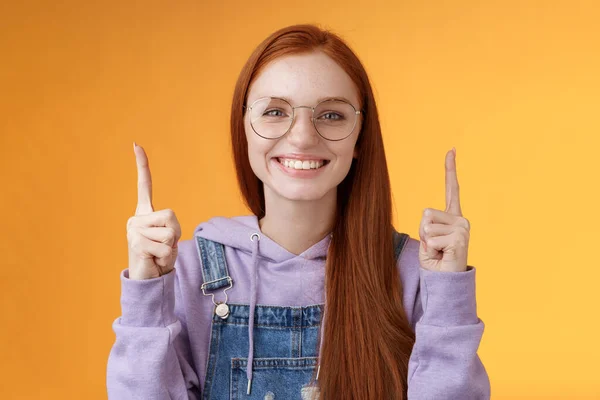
<point>367,340</point>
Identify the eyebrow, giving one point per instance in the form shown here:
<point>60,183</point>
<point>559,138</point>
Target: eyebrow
<point>320,99</point>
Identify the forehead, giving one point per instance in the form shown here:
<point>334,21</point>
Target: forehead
<point>303,79</point>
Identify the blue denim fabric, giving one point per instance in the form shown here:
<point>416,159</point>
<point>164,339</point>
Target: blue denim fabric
<point>285,352</point>
<point>285,343</point>
<point>215,273</point>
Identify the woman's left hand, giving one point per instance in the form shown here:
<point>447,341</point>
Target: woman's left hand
<point>445,234</point>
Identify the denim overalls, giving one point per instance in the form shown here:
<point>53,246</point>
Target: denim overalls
<point>285,340</point>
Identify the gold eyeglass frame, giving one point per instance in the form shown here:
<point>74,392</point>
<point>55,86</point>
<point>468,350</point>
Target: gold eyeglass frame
<point>312,118</point>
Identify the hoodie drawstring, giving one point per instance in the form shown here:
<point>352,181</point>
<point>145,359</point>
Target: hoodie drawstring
<point>322,323</point>
<point>322,336</point>
<point>253,285</point>
<point>321,340</point>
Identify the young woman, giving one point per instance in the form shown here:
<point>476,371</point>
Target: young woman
<point>314,295</point>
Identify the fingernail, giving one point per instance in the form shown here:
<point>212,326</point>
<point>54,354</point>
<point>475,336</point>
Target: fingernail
<point>454,150</point>
<point>134,145</point>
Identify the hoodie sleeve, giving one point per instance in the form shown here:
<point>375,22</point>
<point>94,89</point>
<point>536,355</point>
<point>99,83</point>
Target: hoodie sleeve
<point>444,363</point>
<point>151,357</point>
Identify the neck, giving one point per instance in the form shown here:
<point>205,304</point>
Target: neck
<point>297,225</point>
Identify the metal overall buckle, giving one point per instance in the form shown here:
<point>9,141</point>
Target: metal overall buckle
<point>221,308</point>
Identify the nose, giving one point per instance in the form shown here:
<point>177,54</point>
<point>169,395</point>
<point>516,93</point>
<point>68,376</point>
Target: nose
<point>302,133</point>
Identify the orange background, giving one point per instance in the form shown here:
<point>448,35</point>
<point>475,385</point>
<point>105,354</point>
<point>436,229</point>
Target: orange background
<point>514,85</point>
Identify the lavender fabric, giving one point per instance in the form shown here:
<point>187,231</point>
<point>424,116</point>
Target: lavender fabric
<point>163,334</point>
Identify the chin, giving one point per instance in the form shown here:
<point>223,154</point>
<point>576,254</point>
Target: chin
<point>295,195</point>
<point>301,192</point>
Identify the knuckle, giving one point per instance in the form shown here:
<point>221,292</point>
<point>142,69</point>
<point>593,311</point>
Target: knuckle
<point>461,238</point>
<point>133,235</point>
<point>463,232</point>
<point>165,252</point>
<point>130,236</point>
<point>170,233</point>
<point>465,223</point>
<point>140,256</point>
<point>136,245</point>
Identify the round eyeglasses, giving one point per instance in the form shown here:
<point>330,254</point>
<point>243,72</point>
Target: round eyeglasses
<point>333,119</point>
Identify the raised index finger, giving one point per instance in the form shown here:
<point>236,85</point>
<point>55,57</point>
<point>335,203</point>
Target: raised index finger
<point>452,195</point>
<point>144,205</point>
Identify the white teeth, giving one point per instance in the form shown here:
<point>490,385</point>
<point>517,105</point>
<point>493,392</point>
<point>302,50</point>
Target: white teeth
<point>297,164</point>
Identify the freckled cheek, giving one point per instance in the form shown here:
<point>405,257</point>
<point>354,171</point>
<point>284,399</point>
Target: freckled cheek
<point>258,151</point>
<point>344,152</point>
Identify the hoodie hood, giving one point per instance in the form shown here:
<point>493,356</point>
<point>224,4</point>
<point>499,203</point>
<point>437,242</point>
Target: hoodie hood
<point>236,233</point>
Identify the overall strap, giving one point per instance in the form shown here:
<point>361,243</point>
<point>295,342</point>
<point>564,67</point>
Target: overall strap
<point>400,239</point>
<point>215,274</point>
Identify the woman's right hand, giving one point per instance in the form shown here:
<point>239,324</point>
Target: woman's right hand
<point>152,235</point>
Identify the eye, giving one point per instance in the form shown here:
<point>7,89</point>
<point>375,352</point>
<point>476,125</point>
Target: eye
<point>274,113</point>
<point>333,116</point>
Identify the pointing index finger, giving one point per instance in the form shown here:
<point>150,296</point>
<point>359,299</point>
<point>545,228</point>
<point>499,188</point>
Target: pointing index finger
<point>144,205</point>
<point>452,194</point>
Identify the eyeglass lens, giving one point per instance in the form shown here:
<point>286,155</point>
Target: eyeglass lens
<point>272,117</point>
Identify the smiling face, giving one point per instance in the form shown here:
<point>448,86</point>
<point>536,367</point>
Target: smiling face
<point>302,165</point>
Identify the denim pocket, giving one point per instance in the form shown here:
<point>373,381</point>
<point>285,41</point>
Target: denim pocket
<point>272,378</point>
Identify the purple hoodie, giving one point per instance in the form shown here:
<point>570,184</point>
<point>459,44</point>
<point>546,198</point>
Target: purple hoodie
<point>162,337</point>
